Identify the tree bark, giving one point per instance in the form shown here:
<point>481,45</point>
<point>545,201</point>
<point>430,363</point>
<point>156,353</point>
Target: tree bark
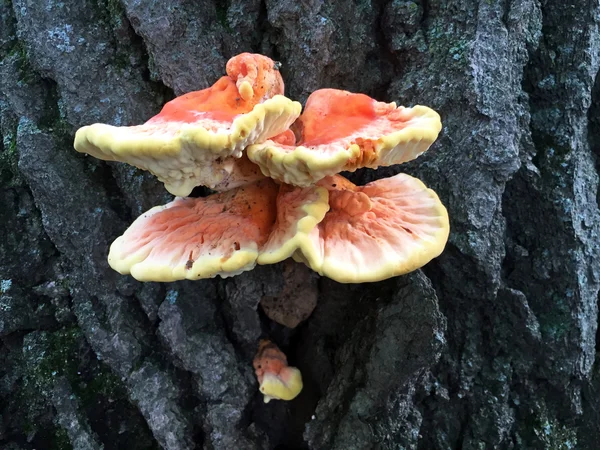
<point>491,345</point>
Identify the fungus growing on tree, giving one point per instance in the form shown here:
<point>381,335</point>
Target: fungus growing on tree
<point>341,131</point>
<point>281,198</point>
<point>196,138</point>
<point>304,210</point>
<point>222,234</point>
<point>299,210</point>
<point>193,238</point>
<point>386,228</point>
<point>277,380</point>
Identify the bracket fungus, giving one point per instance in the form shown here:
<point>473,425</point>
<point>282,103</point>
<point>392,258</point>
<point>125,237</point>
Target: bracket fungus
<point>386,228</point>
<point>299,210</point>
<point>193,238</point>
<point>342,131</point>
<point>198,137</point>
<point>279,194</point>
<point>222,234</point>
<point>277,380</point>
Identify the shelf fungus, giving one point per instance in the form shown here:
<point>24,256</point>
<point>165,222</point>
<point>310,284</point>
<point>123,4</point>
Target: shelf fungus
<point>193,238</point>
<point>198,138</point>
<point>386,228</point>
<point>277,380</point>
<point>222,234</point>
<point>342,131</point>
<point>279,194</point>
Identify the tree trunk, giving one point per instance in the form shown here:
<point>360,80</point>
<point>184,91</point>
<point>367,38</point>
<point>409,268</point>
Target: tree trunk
<point>491,345</point>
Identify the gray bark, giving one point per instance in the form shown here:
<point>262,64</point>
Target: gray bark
<point>491,345</point>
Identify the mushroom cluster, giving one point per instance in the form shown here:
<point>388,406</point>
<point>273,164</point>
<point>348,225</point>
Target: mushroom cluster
<point>276,173</point>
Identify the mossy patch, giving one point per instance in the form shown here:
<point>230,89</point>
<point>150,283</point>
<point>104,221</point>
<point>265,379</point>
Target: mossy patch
<point>222,6</point>
<point>555,436</point>
<point>446,44</point>
<point>115,10</point>
<point>542,431</point>
<point>26,72</point>
<point>111,12</point>
<point>556,322</point>
<point>53,354</point>
<point>64,353</point>
<point>102,397</point>
<point>60,440</point>
<point>9,160</point>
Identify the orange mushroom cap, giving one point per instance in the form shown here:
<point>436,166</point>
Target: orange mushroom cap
<point>196,238</point>
<point>188,142</point>
<point>384,229</point>
<point>276,379</point>
<point>222,234</point>
<point>342,131</point>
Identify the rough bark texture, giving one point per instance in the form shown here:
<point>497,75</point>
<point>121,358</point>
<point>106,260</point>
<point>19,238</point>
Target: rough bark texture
<point>491,346</point>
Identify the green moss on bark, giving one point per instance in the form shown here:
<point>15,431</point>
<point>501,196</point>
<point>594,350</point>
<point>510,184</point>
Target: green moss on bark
<point>9,159</point>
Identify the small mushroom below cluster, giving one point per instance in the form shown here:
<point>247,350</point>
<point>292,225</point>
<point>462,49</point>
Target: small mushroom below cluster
<point>277,380</point>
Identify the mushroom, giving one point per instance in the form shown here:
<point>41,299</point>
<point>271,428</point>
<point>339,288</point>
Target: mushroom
<point>342,131</point>
<point>196,138</point>
<point>348,233</point>
<point>277,380</point>
<point>299,210</point>
<point>304,210</point>
<point>192,238</point>
<point>386,228</point>
<point>222,234</point>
